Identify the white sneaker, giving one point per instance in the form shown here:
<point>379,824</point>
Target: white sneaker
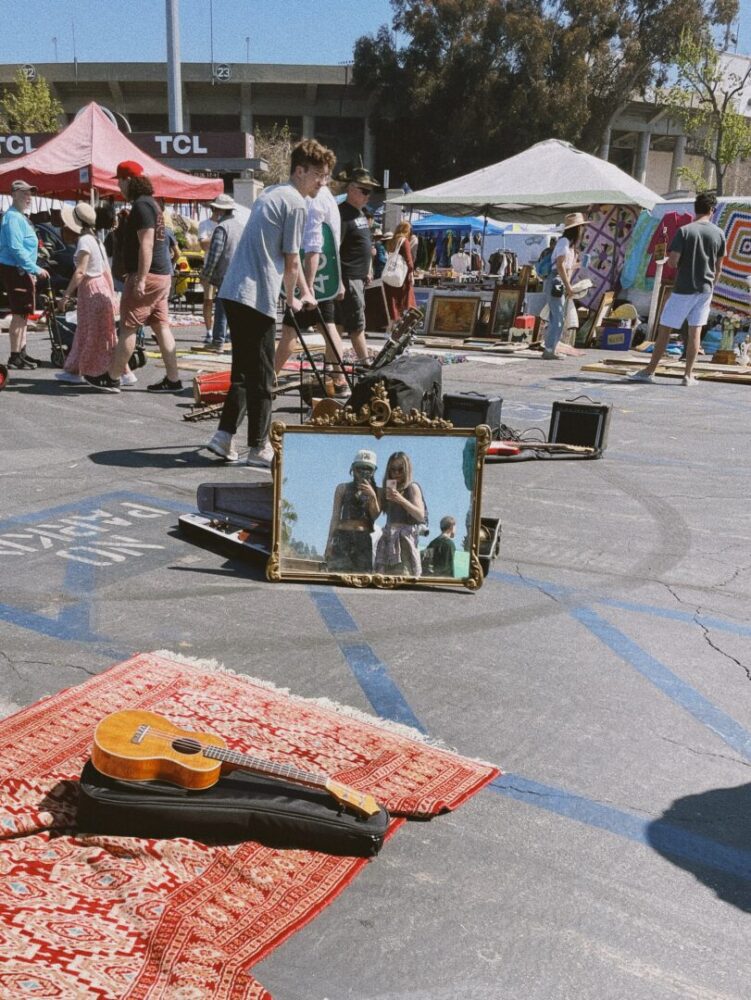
<point>641,376</point>
<point>221,445</point>
<point>260,457</point>
<point>688,380</point>
<point>70,378</point>
<point>128,379</point>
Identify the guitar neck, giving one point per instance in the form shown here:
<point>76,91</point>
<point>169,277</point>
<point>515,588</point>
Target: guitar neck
<point>248,763</point>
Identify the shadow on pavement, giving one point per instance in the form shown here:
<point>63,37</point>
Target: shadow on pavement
<point>158,458</point>
<point>709,834</point>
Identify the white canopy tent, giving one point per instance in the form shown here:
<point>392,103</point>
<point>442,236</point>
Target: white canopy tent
<point>542,184</point>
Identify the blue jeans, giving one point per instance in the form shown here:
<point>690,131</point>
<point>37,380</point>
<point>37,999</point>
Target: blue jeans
<point>219,326</point>
<point>556,318</point>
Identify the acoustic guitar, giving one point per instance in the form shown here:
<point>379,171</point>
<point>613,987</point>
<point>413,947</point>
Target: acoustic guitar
<point>141,746</point>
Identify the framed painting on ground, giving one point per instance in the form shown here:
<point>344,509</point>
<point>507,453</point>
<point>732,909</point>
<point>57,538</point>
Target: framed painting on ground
<point>452,315</point>
<point>504,308</point>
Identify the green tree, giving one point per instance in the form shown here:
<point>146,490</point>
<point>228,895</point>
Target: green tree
<point>478,80</point>
<point>704,99</point>
<point>30,107</point>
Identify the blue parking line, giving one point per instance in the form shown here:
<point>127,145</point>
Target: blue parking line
<point>664,837</point>
<point>371,672</point>
<point>666,681</point>
<point>676,689</point>
<point>670,840</point>
<point>73,621</point>
<point>654,610</point>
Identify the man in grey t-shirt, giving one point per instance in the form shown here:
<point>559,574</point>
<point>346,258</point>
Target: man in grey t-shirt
<point>266,258</point>
<point>696,253</point>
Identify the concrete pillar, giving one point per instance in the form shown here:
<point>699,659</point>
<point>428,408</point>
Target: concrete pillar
<point>605,144</point>
<point>679,154</point>
<point>246,190</point>
<point>246,108</point>
<point>642,155</point>
<point>308,127</point>
<point>708,172</point>
<point>368,147</point>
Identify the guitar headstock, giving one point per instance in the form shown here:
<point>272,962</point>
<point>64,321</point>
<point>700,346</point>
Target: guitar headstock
<point>360,802</point>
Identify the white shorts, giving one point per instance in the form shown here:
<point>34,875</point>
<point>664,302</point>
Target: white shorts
<point>681,308</point>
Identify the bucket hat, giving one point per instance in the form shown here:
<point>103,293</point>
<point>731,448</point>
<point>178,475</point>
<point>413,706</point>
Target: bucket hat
<point>224,202</point>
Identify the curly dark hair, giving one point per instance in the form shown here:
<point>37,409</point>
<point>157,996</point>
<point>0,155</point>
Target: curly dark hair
<point>138,186</point>
<point>310,153</point>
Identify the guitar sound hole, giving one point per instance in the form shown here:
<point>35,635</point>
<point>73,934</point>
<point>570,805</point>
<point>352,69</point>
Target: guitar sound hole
<point>186,746</point>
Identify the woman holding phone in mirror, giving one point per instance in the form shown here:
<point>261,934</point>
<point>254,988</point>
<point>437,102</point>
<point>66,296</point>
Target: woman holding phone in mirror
<point>402,502</point>
<point>349,548</point>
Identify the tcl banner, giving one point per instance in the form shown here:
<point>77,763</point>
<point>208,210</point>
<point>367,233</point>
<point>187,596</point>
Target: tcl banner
<point>160,145</point>
<point>216,145</point>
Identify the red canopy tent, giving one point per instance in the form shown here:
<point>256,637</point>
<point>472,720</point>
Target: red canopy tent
<point>85,155</point>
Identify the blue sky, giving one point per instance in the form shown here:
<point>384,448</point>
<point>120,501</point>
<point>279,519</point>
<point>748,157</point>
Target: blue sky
<point>290,31</point>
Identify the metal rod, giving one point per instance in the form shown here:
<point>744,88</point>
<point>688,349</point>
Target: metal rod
<point>174,73</point>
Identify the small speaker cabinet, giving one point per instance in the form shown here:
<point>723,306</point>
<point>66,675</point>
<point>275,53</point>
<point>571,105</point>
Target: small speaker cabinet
<point>468,409</point>
<point>584,424</point>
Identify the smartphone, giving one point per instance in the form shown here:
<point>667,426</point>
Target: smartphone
<point>390,484</point>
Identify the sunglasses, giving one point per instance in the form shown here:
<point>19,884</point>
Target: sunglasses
<point>366,191</point>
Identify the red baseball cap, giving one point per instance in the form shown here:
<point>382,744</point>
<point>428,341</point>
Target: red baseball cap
<point>128,168</point>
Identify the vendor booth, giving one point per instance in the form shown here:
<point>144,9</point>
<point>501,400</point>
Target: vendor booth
<point>84,156</point>
<point>539,186</point>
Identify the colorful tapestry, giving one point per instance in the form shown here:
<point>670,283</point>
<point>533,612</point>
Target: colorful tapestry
<point>605,238</point>
<point>668,226</point>
<point>733,290</point>
<point>89,917</point>
<point>635,262</point>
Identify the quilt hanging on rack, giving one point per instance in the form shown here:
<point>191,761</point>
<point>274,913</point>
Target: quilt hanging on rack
<point>733,290</point>
<point>605,238</point>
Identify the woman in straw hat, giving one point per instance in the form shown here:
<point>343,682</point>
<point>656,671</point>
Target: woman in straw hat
<point>557,286</point>
<point>96,335</point>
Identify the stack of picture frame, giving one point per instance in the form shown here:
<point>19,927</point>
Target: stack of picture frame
<point>470,314</point>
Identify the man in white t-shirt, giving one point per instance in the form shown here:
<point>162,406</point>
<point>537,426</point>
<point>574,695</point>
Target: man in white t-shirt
<point>205,232</point>
<point>322,209</point>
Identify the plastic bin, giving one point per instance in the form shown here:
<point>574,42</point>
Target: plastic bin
<point>615,338</point>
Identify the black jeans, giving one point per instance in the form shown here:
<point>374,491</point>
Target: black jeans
<point>253,337</point>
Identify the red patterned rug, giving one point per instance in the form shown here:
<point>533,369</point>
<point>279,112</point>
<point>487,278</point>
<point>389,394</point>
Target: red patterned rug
<point>109,917</point>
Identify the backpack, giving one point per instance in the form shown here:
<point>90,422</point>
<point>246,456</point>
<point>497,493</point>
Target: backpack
<point>544,265</point>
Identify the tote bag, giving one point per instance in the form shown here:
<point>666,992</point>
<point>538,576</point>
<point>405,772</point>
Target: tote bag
<point>395,268</point>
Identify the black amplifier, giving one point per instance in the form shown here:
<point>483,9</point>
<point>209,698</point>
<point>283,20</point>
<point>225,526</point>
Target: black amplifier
<point>468,409</point>
<point>584,424</point>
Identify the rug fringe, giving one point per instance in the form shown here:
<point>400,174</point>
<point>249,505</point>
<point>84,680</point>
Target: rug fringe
<point>397,728</point>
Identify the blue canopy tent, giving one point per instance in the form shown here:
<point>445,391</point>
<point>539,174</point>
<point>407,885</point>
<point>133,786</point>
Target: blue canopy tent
<point>446,233</point>
<point>460,225</point>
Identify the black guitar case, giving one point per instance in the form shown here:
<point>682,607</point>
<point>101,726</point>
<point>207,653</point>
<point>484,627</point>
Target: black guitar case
<point>240,806</point>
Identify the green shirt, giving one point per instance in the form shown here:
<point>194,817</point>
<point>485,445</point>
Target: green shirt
<point>701,246</point>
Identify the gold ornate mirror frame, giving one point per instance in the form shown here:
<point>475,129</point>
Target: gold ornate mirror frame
<point>380,420</point>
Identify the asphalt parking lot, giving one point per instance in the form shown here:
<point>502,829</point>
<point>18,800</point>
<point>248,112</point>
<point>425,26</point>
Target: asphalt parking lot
<point>604,665</point>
